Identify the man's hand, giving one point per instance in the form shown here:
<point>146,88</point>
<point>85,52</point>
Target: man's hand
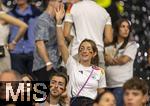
<point>11,46</point>
<point>49,66</point>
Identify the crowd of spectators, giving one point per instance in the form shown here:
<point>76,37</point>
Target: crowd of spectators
<point>96,69</point>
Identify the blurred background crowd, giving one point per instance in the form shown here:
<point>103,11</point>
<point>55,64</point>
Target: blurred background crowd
<point>137,11</point>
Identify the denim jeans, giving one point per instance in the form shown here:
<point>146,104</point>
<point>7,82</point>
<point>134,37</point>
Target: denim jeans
<point>118,92</point>
<point>81,101</point>
<point>22,62</point>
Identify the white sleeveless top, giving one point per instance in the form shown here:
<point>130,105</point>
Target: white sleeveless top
<point>4,32</point>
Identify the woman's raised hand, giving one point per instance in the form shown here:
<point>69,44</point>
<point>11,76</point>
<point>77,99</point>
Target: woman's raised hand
<point>60,12</point>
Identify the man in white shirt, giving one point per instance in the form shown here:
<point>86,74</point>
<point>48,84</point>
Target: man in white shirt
<point>90,21</point>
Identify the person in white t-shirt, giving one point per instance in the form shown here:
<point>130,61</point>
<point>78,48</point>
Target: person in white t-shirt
<point>86,79</point>
<point>5,20</point>
<point>90,21</point>
<point>119,58</point>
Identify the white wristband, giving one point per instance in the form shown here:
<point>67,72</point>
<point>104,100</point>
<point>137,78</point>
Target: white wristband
<point>48,63</point>
<point>59,25</point>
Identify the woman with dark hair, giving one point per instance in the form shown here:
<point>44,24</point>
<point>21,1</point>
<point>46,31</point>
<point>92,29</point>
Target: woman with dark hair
<point>106,98</point>
<point>86,79</point>
<point>119,58</point>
